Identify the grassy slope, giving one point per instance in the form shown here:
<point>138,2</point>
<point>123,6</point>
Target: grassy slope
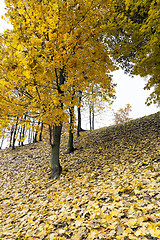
<point>109,188</point>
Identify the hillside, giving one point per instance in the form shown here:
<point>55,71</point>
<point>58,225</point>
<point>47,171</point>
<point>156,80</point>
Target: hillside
<point>109,188</point>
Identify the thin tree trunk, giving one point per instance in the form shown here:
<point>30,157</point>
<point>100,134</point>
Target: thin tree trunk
<point>79,126</point>
<point>23,132</point>
<point>32,133</point>
<point>90,116</point>
<point>93,117</point>
<point>79,114</point>
<point>36,134</point>
<point>14,135</point>
<point>29,135</point>
<point>3,137</point>
<point>35,138</point>
<point>40,135</point>
<point>71,126</point>
<point>79,121</point>
<point>20,135</point>
<point>55,136</point>
<point>2,142</point>
<point>11,136</point>
<point>91,113</point>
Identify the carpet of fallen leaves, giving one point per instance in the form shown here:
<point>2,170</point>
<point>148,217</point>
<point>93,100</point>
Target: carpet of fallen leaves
<point>109,188</point>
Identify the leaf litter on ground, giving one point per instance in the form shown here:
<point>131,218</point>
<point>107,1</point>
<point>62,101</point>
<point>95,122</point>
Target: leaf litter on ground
<point>109,187</point>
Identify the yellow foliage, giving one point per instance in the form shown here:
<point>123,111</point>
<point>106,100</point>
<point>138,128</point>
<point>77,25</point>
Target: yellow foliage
<point>53,47</point>
<point>135,45</point>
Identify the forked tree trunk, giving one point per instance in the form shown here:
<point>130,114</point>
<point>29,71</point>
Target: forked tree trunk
<point>56,168</point>
<point>55,131</point>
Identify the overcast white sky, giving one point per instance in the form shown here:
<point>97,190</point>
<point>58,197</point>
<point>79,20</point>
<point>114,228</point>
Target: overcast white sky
<point>129,90</point>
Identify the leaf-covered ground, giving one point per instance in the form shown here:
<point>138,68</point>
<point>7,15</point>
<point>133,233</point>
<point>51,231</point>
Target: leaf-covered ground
<point>109,188</point>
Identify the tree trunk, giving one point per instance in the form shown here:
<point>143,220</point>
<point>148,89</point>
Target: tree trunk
<point>29,135</point>
<point>14,135</point>
<point>93,116</point>
<point>70,141</point>
<point>79,114</point>
<point>32,133</point>
<point>3,137</point>
<point>91,113</point>
<point>36,134</point>
<point>40,135</point>
<point>79,121</point>
<point>11,136</point>
<point>2,142</point>
<point>90,118</point>
<point>23,132</point>
<point>55,134</point>
<point>20,135</point>
<point>79,128</point>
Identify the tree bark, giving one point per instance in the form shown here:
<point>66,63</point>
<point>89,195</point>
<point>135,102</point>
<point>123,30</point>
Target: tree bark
<point>32,133</point>
<point>55,134</point>
<point>14,134</point>
<point>93,116</point>
<point>79,114</point>
<point>2,142</point>
<point>70,141</point>
<point>29,135</point>
<point>23,132</point>
<point>90,118</point>
<point>79,126</point>
<point>20,135</point>
<point>36,134</point>
<point>79,121</point>
<point>55,131</point>
<point>11,136</point>
<point>40,135</point>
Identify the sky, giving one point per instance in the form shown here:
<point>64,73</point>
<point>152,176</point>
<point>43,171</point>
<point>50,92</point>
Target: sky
<point>128,91</point>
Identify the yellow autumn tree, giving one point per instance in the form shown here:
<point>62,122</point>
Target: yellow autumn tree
<point>133,34</point>
<point>122,115</point>
<point>55,48</point>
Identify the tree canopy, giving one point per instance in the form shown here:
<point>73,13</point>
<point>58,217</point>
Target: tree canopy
<point>54,51</point>
<point>135,40</point>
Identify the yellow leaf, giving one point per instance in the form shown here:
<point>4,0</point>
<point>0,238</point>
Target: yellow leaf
<point>157,233</point>
<point>132,222</point>
<point>30,221</point>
